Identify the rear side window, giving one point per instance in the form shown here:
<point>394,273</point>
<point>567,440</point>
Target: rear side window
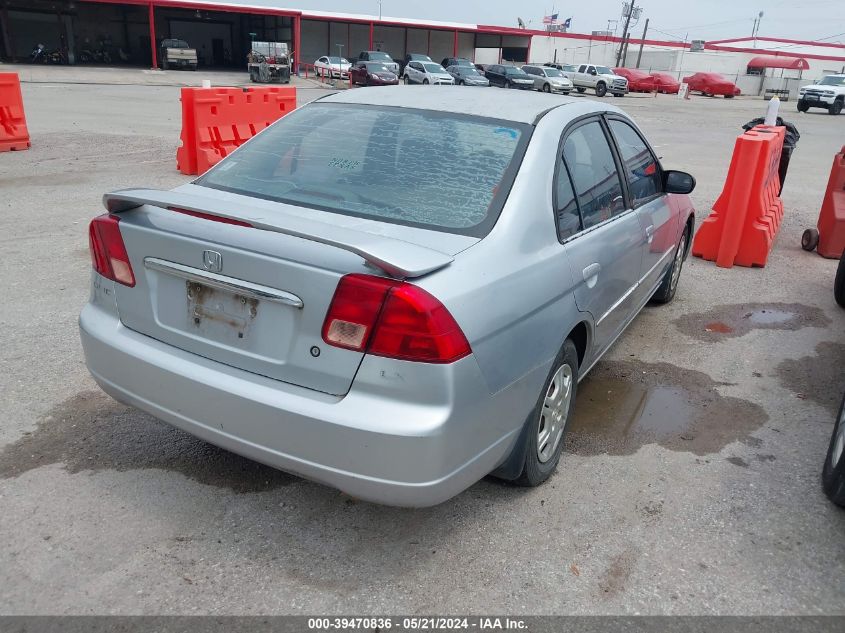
<point>590,162</point>
<point>568,217</point>
<point>417,167</point>
<point>582,68</point>
<point>640,165</point>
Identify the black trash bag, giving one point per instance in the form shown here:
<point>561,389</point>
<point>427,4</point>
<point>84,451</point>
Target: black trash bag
<point>790,140</point>
<point>792,135</point>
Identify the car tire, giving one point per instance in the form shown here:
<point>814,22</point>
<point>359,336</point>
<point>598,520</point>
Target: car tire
<point>669,286</point>
<point>833,471</point>
<point>835,108</point>
<point>618,94</point>
<point>547,88</point>
<point>729,96</point>
<point>809,240</point>
<point>460,82</point>
<point>839,282</point>
<point>547,425</point>
<point>601,89</point>
<point>802,107</point>
<point>581,90</point>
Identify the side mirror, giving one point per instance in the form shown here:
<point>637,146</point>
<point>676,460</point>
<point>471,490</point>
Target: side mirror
<point>678,182</point>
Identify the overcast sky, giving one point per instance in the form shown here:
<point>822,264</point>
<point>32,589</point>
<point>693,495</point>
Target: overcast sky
<point>710,19</point>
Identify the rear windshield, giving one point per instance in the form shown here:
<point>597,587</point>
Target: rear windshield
<point>380,56</point>
<point>422,168</point>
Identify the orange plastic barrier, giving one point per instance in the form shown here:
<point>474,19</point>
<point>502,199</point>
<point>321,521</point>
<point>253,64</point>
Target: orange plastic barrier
<point>747,215</point>
<point>832,217</point>
<point>216,121</point>
<point>13,132</point>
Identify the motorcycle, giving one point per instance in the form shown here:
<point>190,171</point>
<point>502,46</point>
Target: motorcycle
<point>38,55</point>
<point>55,57</point>
<point>98,56</point>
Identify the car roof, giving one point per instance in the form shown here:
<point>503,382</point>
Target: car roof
<point>510,105</point>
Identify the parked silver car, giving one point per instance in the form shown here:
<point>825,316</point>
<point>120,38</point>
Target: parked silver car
<point>295,306</point>
<point>549,79</point>
<point>467,76</point>
<point>428,73</point>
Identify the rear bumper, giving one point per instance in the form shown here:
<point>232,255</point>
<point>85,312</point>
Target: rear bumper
<point>407,434</point>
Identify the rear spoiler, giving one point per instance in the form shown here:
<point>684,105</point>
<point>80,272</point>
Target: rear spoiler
<point>397,258</point>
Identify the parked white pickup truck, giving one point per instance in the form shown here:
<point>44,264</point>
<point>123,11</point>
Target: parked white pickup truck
<point>598,78</point>
<point>829,94</point>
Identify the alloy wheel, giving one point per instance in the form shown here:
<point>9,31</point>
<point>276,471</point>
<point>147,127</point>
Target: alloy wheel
<point>679,262</point>
<point>554,413</point>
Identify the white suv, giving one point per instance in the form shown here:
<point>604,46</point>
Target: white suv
<point>829,93</point>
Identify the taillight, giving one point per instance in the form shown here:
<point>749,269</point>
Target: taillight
<point>392,318</point>
<point>209,216</point>
<point>108,253</point>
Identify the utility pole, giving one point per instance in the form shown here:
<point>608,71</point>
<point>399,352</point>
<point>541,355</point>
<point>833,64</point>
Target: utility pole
<point>625,32</point>
<point>642,41</point>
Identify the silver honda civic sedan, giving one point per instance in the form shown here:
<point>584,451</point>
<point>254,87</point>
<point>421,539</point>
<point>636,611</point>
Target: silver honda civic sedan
<point>398,342</point>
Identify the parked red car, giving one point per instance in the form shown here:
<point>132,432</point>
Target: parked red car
<point>711,84</point>
<point>638,80</point>
<point>666,83</point>
<point>372,74</point>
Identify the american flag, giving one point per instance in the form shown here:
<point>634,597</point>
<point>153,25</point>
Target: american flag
<point>550,19</point>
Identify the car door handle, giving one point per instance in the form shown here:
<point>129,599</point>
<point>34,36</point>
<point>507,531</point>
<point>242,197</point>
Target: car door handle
<point>591,274</point>
<point>649,233</point>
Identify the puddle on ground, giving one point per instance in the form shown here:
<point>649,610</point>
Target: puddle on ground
<point>92,432</point>
<point>623,405</point>
<point>737,319</point>
<point>818,377</point>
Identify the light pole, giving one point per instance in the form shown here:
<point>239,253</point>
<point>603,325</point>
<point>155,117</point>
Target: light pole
<point>379,10</point>
<point>756,28</point>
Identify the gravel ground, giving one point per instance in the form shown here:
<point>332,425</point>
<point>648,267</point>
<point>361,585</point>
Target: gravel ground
<point>689,483</point>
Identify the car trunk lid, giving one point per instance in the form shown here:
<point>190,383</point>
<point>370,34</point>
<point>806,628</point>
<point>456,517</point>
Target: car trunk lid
<point>252,290</point>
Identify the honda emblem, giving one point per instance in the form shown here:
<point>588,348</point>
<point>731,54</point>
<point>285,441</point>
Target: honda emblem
<point>212,261</point>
